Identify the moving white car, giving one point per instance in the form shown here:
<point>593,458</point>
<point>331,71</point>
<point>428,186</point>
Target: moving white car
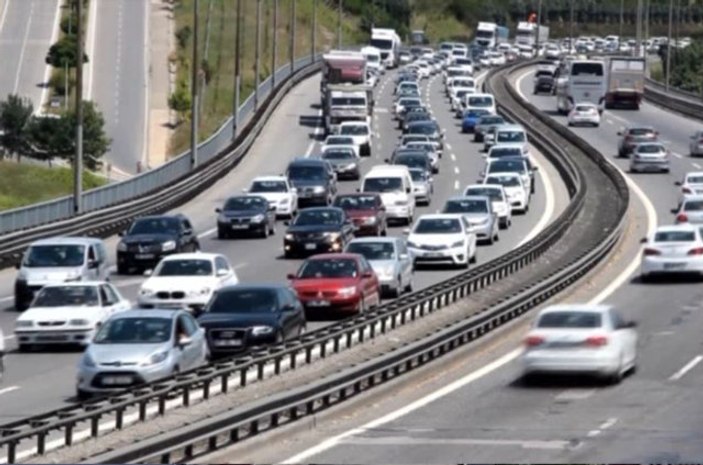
<point>442,239</point>
<point>499,201</point>
<point>278,192</point>
<point>186,280</point>
<point>341,140</point>
<point>691,210</point>
<point>581,339</point>
<point>68,314</point>
<point>650,156</point>
<point>692,184</point>
<point>675,249</point>
<point>515,189</point>
<point>584,114</point>
<point>360,132</point>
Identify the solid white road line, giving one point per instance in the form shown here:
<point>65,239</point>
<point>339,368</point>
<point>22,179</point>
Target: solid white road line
<point>677,155</point>
<point>696,165</point>
<point>4,13</point>
<point>47,69</point>
<point>456,185</point>
<point>315,133</point>
<point>686,368</point>
<point>5,299</point>
<point>9,338</point>
<point>23,48</point>
<point>8,389</point>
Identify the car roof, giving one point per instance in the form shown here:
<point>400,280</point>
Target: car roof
<point>191,256</point>
<point>676,227</point>
<point>389,239</point>
<point>694,173</point>
<point>77,240</point>
<point>149,313</point>
<point>459,198</point>
<point>511,127</point>
<point>506,145</point>
<point>307,161</point>
<point>441,216</point>
<point>504,173</point>
<point>576,308</point>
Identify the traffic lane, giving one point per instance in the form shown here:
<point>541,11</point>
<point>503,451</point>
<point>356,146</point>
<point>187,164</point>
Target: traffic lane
<point>26,31</point>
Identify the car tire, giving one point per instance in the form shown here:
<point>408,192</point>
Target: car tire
<point>264,232</point>
<point>272,231</point>
<point>362,306</point>
<point>221,234</point>
<point>82,395</point>
<point>473,258</point>
<point>503,224</point>
<point>410,286</point>
<point>24,347</point>
<point>122,269</point>
<point>490,240</point>
<point>397,290</point>
<point>279,338</point>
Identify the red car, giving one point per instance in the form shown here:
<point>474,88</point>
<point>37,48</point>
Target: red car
<point>366,211</point>
<point>336,282</point>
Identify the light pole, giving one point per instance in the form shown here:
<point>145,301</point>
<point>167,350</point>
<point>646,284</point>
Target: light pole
<point>314,31</point>
<point>539,22</point>
<point>622,18</point>
<point>237,68</point>
<point>257,55</point>
<point>292,36</point>
<point>275,44</point>
<point>339,23</point>
<point>194,116</point>
<point>638,28</point>
<point>78,161</point>
<point>668,43</point>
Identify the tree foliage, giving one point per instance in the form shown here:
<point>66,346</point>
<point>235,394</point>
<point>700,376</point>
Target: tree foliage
<point>64,53</point>
<point>686,66</point>
<point>15,117</point>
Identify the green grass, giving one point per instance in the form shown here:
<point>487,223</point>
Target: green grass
<point>655,71</point>
<point>218,99</point>
<point>23,184</point>
<point>439,27</point>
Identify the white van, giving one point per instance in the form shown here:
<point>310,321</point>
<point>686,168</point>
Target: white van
<point>481,102</point>
<point>395,185</point>
<point>373,59</point>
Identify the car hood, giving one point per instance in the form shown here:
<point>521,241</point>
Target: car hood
<point>48,275</point>
<point>306,183</point>
<point>380,265</point>
<point>148,238</point>
<point>435,239</point>
<point>476,217</point>
<point>354,214</point>
<point>66,313</point>
<point>241,213</point>
<point>125,354</point>
<point>314,228</point>
<point>323,284</point>
<point>237,320</point>
<point>274,196</point>
<point>179,283</point>
<point>389,198</point>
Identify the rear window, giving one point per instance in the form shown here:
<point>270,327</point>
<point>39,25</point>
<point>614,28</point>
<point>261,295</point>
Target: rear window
<point>675,236</point>
<point>695,180</point>
<point>587,69</point>
<point>570,320</point>
<point>641,131</point>
<point>693,206</point>
<point>650,148</point>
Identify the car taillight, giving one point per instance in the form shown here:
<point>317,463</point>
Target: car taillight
<point>596,341</point>
<point>686,190</point>
<point>696,251</point>
<point>534,341</point>
<point>682,218</point>
<point>650,252</point>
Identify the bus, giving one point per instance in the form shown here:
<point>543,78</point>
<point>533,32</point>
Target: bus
<point>583,81</point>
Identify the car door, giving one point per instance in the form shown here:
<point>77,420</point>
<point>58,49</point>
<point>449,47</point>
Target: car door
<point>369,285</point>
<point>406,263</point>
<point>189,353</point>
<point>93,265</point>
<point>107,303</point>
<point>190,241</point>
<point>626,337</point>
<point>223,272</point>
<point>121,304</point>
<point>103,266</point>
<point>288,317</point>
<point>199,340</point>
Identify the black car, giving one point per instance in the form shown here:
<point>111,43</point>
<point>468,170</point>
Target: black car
<point>412,158</point>
<point>314,179</point>
<point>150,238</point>
<point>242,316</point>
<point>246,214</point>
<point>415,116</point>
<point>428,128</point>
<point>318,230</point>
<point>544,81</point>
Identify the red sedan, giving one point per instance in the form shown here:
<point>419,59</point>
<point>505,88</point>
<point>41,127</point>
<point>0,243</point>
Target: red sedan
<point>336,282</point>
<point>366,211</point>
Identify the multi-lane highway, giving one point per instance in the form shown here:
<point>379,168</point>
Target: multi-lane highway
<point>486,414</point>
<point>26,391</point>
<point>27,30</point>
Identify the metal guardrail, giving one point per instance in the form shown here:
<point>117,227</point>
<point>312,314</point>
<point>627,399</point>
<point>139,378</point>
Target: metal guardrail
<point>685,103</point>
<point>111,208</point>
<point>31,216</point>
<point>222,375</point>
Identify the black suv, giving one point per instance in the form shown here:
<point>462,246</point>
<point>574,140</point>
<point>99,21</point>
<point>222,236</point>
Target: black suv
<point>314,180</point>
<point>150,238</point>
<point>318,230</point>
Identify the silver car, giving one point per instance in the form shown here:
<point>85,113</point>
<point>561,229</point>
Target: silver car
<point>696,146</point>
<point>479,213</point>
<point>649,156</point>
<point>344,160</point>
<point>423,186</point>
<point>390,260</point>
<point>140,346</point>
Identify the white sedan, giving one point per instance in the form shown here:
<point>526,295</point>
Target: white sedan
<point>515,189</point>
<point>68,313</point>
<point>278,192</point>
<point>442,239</point>
<point>186,280</point>
<point>581,339</point>
<point>675,249</point>
<point>584,114</point>
<point>692,184</point>
<point>499,201</point>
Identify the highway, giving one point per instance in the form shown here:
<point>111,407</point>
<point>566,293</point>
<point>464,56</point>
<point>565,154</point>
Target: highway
<point>118,76</point>
<point>27,30</point>
<point>25,390</point>
<point>482,412</point>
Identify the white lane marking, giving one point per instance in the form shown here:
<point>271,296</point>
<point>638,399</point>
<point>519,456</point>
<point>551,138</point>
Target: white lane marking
<point>8,389</point>
<point>609,122</point>
<point>47,69</point>
<point>456,185</point>
<point>9,338</point>
<point>452,387</point>
<point>4,14</point>
<point>696,165</point>
<point>686,368</point>
<point>209,232</point>
<point>5,299</point>
<point>604,426</point>
<point>677,155</point>
<point>449,146</point>
<point>452,156</point>
<point>456,170</point>
<point>399,441</point>
<point>314,134</point>
<point>574,394</point>
<point>23,48</point>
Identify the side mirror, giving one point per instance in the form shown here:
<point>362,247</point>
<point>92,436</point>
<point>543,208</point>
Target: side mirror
<point>148,272</point>
<point>643,240</point>
<point>408,190</point>
<point>286,223</point>
<point>288,308</point>
<point>272,208</point>
<point>406,231</point>
<point>245,190</point>
<point>386,160</point>
<point>619,133</point>
<point>535,168</point>
<point>294,190</point>
<point>187,231</point>
<point>290,276</point>
<point>218,210</point>
<point>627,325</point>
<point>678,183</point>
<point>184,341</point>
<point>221,273</point>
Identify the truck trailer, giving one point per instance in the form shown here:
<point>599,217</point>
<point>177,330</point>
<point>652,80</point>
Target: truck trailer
<point>625,82</point>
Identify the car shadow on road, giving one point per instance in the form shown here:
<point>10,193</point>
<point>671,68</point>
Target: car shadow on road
<point>558,382</point>
<point>311,121</point>
<point>682,278</point>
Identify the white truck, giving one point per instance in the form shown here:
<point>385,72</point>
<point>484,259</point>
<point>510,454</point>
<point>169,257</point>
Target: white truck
<point>388,42</point>
<point>625,82</point>
<point>347,103</point>
<point>489,35</point>
<point>527,34</point>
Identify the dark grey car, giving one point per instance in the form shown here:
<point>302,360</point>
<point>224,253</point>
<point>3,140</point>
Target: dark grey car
<point>344,162</point>
<point>246,214</point>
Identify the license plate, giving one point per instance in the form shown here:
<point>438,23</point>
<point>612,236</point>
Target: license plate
<point>564,344</point>
<point>674,266</point>
<point>240,226</point>
<point>52,338</point>
<point>433,254</point>
<point>144,256</point>
<point>310,246</point>
<point>117,380</point>
<point>319,303</point>
<point>229,343</point>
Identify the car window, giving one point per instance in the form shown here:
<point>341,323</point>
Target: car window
<point>187,225</point>
<point>650,148</point>
<point>243,300</point>
<point>155,226</point>
<point>694,180</point>
<point>221,264</point>
<point>60,255</point>
<point>268,186</point>
<point>389,184</point>
<point>135,330</point>
<point>67,296</point>
<point>316,217</point>
<point>693,205</point>
<point>91,253</point>
<point>510,136</point>
<point>329,268</point>
<point>186,326</point>
<point>373,250</point>
<point>570,319</point>
<point>438,226</point>
<point>185,267</point>
<point>356,202</point>
<point>112,294</point>
<point>245,203</point>
<point>104,297</point>
<point>675,236</point>
<point>316,173</point>
<point>466,206</point>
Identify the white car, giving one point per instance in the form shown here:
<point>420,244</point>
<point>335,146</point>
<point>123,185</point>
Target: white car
<point>496,59</point>
<point>442,239</point>
<point>68,314</point>
<point>360,132</point>
<point>581,339</point>
<point>458,98</point>
<point>672,249</point>
<point>406,85</point>
<point>584,114</point>
<point>461,82</point>
<point>423,69</point>
<point>186,280</point>
<point>515,190</point>
<point>691,210</point>
<point>696,146</point>
<point>278,192</point>
<point>692,184</point>
<point>499,201</point>
<point>650,156</point>
<point>341,140</point>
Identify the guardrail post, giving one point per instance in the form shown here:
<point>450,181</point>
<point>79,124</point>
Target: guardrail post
<point>12,452</point>
<point>206,389</point>
<point>41,443</point>
<point>68,434</point>
<point>234,434</point>
<point>243,377</point>
<point>224,383</point>
<point>162,404</point>
<point>119,417</point>
<point>260,370</point>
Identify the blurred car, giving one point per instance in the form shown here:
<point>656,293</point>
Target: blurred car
<point>317,230</point>
<point>139,346</point>
<point>314,180</point>
<point>360,132</point>
<point>246,214</point>
<point>633,135</point>
<point>430,129</point>
<point>584,114</point>
<point>515,189</point>
<point>477,210</point>
<point>696,146</point>
<point>366,212</point>
<point>344,161</point>
<point>676,249</point>
<point>412,158</point>
<point>390,260</point>
<point>650,156</point>
<point>580,339</point>
<point>336,140</point>
<point>442,239</point>
<point>403,104</point>
<point>423,187</point>
<point>239,317</point>
<point>692,184</point>
<point>520,165</point>
<point>430,149</point>
<point>186,281</point>
<point>278,192</point>
<point>499,201</point>
<point>328,283</point>
<point>68,314</point>
<point>485,123</point>
<point>544,80</point>
<point>500,151</point>
<point>691,210</point>
<point>471,119</point>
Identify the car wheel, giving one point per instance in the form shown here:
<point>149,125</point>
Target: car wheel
<point>82,395</point>
<point>503,224</point>
<point>362,305</point>
<point>409,287</point>
<point>616,377</point>
<point>473,258</point>
<point>490,240</point>
<point>272,230</point>
<point>221,234</point>
<point>122,269</point>
<point>645,278</point>
<point>264,232</point>
<point>24,347</point>
<point>279,338</point>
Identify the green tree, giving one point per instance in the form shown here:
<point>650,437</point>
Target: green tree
<point>64,53</point>
<point>180,102</point>
<point>15,116</point>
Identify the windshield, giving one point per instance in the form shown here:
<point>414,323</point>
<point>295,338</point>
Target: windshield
<point>339,140</point>
<point>570,320</point>
<point>484,34</point>
<point>438,226</point>
<point>390,184</point>
<point>383,44</point>
<point>585,109</point>
<point>373,250</point>
<point>244,301</point>
<point>410,102</point>
<point>410,139</point>
<point>422,129</point>
<point>67,296</point>
<point>466,206</point>
<point>356,202</point>
<point>650,148</point>
<point>510,136</point>
<point>411,161</point>
<point>268,186</point>
<point>498,152</point>
<point>329,268</point>
<point>135,331</point>
<point>338,155</point>
<point>480,101</point>
<point>418,175</point>
<point>318,217</point>
<point>373,58</point>
<point>475,113</point>
<point>641,132</point>
<point>189,267</point>
<point>493,194</point>
<point>694,180</point>
<point>587,69</point>
<point>354,130</point>
<point>426,146</point>
<point>507,181</point>
<point>675,236</point>
<point>491,120</point>
<point>464,92</point>
<point>155,226</point>
<point>348,102</point>
<point>308,173</point>
<point>245,203</point>
<point>507,166</point>
<point>39,256</point>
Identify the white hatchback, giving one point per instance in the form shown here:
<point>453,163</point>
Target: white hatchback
<point>692,184</point>
<point>584,114</point>
<point>499,201</point>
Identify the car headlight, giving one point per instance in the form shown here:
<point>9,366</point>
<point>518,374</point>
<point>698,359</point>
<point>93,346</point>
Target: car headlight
<point>122,247</point>
<point>258,218</point>
<point>333,236</point>
<point>158,357</point>
<point>478,222</point>
<point>87,360</point>
<point>79,322</point>
<point>168,246</point>
<point>146,292</point>
<point>350,166</point>
<point>203,291</point>
<point>24,324</point>
<point>222,219</point>
<point>318,189</point>
<point>289,237</point>
<point>347,291</point>
<point>457,244</point>
<point>370,220</point>
<point>284,201</point>
<point>388,270</point>
<point>261,330</point>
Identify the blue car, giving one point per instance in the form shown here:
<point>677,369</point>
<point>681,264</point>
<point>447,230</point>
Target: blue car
<point>471,118</point>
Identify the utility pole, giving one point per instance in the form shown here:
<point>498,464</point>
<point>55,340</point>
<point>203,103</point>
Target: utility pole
<point>647,7</point>
<point>539,23</point>
<point>668,44</point>
<point>339,24</point>
<point>237,68</point>
<point>292,37</point>
<point>194,114</point>
<point>275,44</point>
<point>622,18</point>
<point>638,28</point>
<point>571,25</point>
<point>314,31</point>
<point>78,161</point>
<point>257,56</point>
